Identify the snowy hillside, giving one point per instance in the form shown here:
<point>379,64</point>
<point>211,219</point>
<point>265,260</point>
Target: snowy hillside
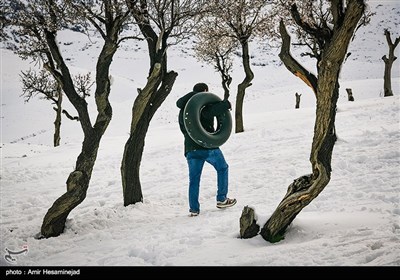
<point>355,221</point>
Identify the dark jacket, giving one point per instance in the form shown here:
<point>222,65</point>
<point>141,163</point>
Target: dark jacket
<point>206,119</point>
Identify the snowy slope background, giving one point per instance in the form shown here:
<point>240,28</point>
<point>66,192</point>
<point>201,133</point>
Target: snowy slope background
<point>355,221</point>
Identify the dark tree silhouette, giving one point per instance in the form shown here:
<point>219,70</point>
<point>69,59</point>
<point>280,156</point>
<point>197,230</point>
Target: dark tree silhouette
<point>36,25</point>
<point>328,34</point>
<point>333,40</point>
<point>158,21</point>
<point>387,78</point>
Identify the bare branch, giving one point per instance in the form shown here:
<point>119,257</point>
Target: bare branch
<point>38,83</point>
<point>83,83</point>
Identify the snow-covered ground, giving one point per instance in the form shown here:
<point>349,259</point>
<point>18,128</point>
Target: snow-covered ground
<point>355,221</point>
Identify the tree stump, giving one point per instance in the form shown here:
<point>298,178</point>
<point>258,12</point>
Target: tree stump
<point>297,100</point>
<point>387,78</point>
<point>248,225</point>
<point>349,94</point>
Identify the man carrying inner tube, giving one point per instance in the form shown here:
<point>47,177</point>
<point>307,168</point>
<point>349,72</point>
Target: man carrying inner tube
<point>196,154</point>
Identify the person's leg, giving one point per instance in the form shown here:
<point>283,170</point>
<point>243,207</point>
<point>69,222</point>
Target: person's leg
<point>195,163</point>
<point>216,159</point>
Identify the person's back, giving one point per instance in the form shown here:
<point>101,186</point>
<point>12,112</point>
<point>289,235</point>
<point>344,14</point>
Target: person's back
<point>207,115</point>
<point>190,144</point>
<point>196,154</point>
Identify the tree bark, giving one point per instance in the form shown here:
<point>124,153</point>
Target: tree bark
<point>157,88</point>
<point>242,86</point>
<point>304,189</point>
<point>78,181</point>
<point>297,106</point>
<point>349,94</point>
<point>145,105</point>
<point>387,78</point>
<point>57,122</point>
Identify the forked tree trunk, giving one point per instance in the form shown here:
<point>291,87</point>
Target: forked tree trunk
<point>145,105</point>
<point>77,185</point>
<point>242,87</point>
<point>304,189</point>
<point>387,78</point>
<point>78,181</point>
<point>159,85</point>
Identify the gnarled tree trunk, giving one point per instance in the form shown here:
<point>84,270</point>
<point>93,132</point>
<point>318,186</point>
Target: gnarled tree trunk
<point>304,189</point>
<point>36,25</point>
<point>167,17</point>
<point>78,181</point>
<point>242,86</point>
<point>146,104</point>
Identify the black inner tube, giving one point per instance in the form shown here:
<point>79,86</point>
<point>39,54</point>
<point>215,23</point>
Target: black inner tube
<point>191,118</point>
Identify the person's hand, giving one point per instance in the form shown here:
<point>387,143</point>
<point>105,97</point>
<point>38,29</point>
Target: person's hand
<point>228,104</point>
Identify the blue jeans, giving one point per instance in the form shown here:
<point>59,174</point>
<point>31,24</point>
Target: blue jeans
<point>196,161</point>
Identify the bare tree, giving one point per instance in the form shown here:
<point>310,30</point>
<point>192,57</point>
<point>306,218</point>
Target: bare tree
<point>41,83</point>
<point>217,50</point>
<point>159,21</point>
<point>36,25</point>
<point>327,27</point>
<point>387,80</point>
<point>242,20</point>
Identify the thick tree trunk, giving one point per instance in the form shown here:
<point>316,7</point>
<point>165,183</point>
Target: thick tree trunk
<point>387,78</point>
<point>133,150</point>
<point>78,181</point>
<point>159,85</point>
<point>144,108</point>
<point>242,87</point>
<point>130,167</point>
<point>304,189</point>
<point>77,185</point>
